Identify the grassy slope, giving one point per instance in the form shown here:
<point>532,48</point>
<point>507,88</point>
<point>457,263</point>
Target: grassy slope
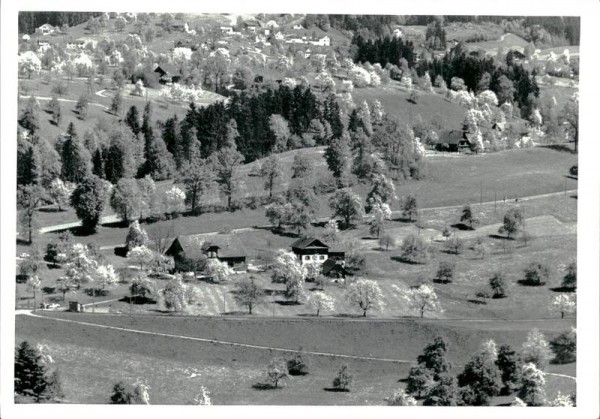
<point>395,103</point>
<point>229,372</point>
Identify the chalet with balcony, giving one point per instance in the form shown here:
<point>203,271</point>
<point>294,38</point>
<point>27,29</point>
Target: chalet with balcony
<point>225,247</point>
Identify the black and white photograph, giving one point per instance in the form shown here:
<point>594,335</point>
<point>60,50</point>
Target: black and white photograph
<point>268,208</point>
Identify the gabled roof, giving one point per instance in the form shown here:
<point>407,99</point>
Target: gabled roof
<point>308,242</point>
<point>331,265</point>
<point>251,23</point>
<point>453,136</point>
<point>229,245</point>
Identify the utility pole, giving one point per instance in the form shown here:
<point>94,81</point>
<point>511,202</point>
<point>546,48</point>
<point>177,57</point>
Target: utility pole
<point>481,193</point>
<point>494,201</point>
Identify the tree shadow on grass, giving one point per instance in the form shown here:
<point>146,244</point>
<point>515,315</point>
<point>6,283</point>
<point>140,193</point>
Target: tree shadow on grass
<point>51,210</point>
<point>236,313</point>
<point>478,302</point>
<point>336,390</point>
<point>402,259</point>
<point>559,147</point>
<point>269,291</point>
<point>116,224</point>
<point>265,386</point>
<point>308,315</point>
<point>528,283</point>
<point>403,380</point>
<point>462,227</point>
<point>403,220</point>
<point>442,281</point>
<point>350,316</point>
<point>499,237</point>
<point>121,251</point>
<point>137,300</point>
<point>21,242</point>
<point>288,303</point>
<point>563,289</point>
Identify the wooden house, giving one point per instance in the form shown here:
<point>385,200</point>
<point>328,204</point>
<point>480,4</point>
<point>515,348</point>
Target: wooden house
<point>167,74</point>
<point>224,247</point>
<point>453,140</point>
<point>334,269</point>
<point>311,250</point>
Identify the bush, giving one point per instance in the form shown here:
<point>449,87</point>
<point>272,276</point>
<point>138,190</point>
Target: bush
<point>498,285</point>
<point>343,380</point>
<point>297,365</point>
<point>570,279</point>
<point>455,244</point>
<point>445,272</point>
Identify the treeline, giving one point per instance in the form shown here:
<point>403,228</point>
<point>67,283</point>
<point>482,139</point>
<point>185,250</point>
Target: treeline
<point>510,82</point>
<point>29,21</point>
<point>383,50</point>
<point>309,121</point>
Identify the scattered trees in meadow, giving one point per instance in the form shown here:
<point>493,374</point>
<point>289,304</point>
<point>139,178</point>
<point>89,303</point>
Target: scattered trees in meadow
<point>248,294</point>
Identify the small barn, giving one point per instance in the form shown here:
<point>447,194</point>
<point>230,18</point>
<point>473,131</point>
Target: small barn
<point>225,247</point>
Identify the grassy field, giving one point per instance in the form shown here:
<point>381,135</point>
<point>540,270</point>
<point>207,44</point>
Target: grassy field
<point>175,371</point>
<point>395,101</point>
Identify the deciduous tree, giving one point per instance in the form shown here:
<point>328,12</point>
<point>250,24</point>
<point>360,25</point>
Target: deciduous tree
<point>248,294</point>
<point>422,299</point>
<point>564,347</point>
<point>366,294</point>
<point>321,301</point>
<point>564,303</point>
<point>536,350</point>
<point>272,171</point>
<point>88,200</point>
<point>533,385</point>
<point>347,205</point>
<point>29,198</point>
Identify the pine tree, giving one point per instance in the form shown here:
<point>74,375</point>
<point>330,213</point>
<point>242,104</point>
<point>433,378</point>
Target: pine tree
<point>75,158</point>
<point>31,375</point>
<point>338,156</point>
<point>98,164</point>
<point>132,119</point>
<point>30,120</point>
<point>116,106</point>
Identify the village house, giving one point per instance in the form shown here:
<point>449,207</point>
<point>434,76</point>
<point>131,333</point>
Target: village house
<point>310,250</point>
<point>178,26</point>
<point>228,30</point>
<point>82,42</point>
<point>226,248</point>
<point>452,140</point>
<point>45,29</point>
<point>43,45</point>
<point>323,42</point>
<point>251,26</point>
<point>167,74</point>
<point>298,27</point>
<point>279,36</point>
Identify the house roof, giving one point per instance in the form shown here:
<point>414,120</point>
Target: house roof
<point>331,265</point>
<point>453,136</point>
<point>251,23</point>
<point>308,242</point>
<point>229,245</point>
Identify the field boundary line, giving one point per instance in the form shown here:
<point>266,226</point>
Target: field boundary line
<point>220,342</point>
<point>561,375</point>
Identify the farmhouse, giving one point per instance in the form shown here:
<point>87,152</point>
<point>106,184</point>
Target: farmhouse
<point>226,30</point>
<point>43,45</point>
<point>452,140</point>
<point>334,269</point>
<point>45,29</point>
<point>224,247</point>
<point>309,250</point>
<point>251,26</point>
<point>167,74</point>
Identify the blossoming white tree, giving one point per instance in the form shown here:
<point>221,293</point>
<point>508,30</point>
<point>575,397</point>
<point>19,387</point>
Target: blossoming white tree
<point>487,97</point>
<point>561,400</point>
<point>29,63</point>
<point>325,80</point>
<point>536,349</point>
<point>140,254</point>
<point>533,385</point>
<point>287,267</point>
<point>321,302</point>
<point>174,200</point>
<point>400,398</point>
<point>423,299</point>
<point>564,303</point>
<point>106,276</point>
<point>203,398</point>
<point>218,271</point>
<point>359,76</point>
<point>366,294</point>
<point>60,192</point>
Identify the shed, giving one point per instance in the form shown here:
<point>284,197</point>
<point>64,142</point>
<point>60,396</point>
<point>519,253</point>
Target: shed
<point>76,307</point>
<point>167,74</point>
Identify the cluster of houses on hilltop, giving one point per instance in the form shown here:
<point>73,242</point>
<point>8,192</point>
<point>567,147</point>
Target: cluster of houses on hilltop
<point>229,249</point>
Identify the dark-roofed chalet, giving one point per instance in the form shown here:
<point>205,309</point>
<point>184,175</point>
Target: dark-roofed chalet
<point>167,74</point>
<point>452,140</point>
<point>334,269</point>
<point>224,247</point>
<point>311,250</point>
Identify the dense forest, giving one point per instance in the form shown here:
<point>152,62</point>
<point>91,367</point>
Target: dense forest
<point>29,21</point>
